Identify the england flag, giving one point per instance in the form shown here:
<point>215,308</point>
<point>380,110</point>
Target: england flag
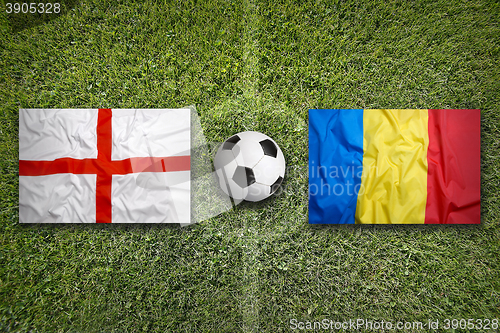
<point>104,166</point>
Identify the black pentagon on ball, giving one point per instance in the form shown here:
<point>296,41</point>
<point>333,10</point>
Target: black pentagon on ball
<point>243,176</point>
<point>276,184</point>
<point>229,144</point>
<point>269,148</point>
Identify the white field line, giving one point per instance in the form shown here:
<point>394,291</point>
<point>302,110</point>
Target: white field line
<point>249,234</point>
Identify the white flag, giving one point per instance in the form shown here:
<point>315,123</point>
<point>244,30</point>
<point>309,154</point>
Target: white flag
<point>104,165</point>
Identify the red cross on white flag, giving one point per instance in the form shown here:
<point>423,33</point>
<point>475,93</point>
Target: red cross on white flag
<point>104,165</point>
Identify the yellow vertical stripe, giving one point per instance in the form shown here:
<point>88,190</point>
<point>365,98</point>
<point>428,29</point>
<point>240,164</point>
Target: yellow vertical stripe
<point>394,179</point>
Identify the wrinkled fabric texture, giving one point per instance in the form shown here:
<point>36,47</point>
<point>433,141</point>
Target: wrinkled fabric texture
<point>137,129</point>
<point>48,134</point>
<point>335,162</point>
<point>394,179</point>
<point>148,197</point>
<point>149,132</point>
<point>454,158</point>
<point>418,166</point>
<point>59,198</point>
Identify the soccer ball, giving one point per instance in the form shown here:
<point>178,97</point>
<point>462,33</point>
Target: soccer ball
<point>250,166</point>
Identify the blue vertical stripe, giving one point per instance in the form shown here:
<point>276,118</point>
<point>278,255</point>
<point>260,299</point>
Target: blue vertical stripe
<point>335,165</point>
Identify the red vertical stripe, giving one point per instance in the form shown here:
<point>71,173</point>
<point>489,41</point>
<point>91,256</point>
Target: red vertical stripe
<point>104,177</point>
<point>104,167</point>
<point>454,174</point>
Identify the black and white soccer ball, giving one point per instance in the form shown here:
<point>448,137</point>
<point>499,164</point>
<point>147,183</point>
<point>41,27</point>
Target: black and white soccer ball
<point>250,166</point>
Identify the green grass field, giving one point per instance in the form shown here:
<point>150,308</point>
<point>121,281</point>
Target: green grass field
<point>249,65</point>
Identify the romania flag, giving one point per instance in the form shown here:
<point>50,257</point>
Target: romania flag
<point>394,166</point>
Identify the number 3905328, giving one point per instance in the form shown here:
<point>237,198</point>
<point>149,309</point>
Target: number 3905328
<point>32,8</point>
